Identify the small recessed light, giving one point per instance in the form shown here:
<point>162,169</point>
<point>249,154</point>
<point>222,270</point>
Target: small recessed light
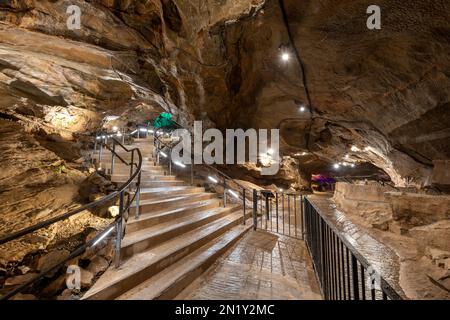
<point>213,179</point>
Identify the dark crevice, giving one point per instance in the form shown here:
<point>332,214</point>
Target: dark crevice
<point>8,117</point>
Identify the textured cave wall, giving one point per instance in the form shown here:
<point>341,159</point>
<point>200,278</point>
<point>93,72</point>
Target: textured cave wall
<point>218,61</point>
<point>386,90</point>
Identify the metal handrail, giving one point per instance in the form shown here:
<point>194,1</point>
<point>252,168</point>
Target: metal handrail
<point>226,179</point>
<point>117,224</point>
<point>387,290</point>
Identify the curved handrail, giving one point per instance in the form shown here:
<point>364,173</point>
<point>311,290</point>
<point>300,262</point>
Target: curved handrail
<point>224,175</point>
<point>117,222</point>
<point>88,206</point>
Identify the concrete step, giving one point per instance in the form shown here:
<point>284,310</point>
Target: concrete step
<point>151,218</point>
<point>147,173</point>
<point>168,283</point>
<point>145,177</point>
<point>162,183</point>
<point>180,201</point>
<point>142,266</point>
<point>144,239</point>
<point>167,192</point>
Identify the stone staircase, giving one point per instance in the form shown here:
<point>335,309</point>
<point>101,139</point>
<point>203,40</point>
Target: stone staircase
<point>181,231</point>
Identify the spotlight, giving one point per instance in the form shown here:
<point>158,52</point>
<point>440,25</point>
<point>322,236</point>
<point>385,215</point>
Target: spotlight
<point>367,149</point>
<point>182,165</point>
<point>281,190</point>
<point>355,149</point>
<point>142,130</point>
<point>213,179</point>
<point>119,134</point>
<point>336,165</point>
<point>302,109</point>
<point>352,165</point>
<point>234,194</point>
<point>304,153</point>
<point>103,236</point>
<point>111,118</point>
<point>285,57</point>
<point>115,128</point>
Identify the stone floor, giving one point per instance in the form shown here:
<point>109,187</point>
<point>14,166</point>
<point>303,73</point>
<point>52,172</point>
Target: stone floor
<point>262,265</point>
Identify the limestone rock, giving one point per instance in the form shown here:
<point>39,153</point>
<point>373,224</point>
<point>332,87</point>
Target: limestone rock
<point>21,296</point>
<point>436,254</point>
<point>18,280</point>
<point>98,265</point>
<point>52,258</point>
<point>86,278</point>
<point>434,235</point>
<point>413,209</point>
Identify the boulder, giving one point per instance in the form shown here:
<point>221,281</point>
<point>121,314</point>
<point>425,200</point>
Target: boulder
<point>18,280</point>
<point>98,265</point>
<point>86,279</point>
<point>52,258</point>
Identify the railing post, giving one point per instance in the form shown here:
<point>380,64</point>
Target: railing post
<point>119,223</point>
<point>138,196</point>
<point>302,203</point>
<point>267,208</point>
<point>243,200</point>
<point>158,148</point>
<point>131,165</point>
<point>276,207</point>
<point>192,172</point>
<point>113,153</point>
<point>100,153</point>
<point>355,277</point>
<point>255,208</point>
<point>224,192</point>
<point>170,162</point>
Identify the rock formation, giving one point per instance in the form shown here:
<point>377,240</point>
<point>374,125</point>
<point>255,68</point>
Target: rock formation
<point>377,99</point>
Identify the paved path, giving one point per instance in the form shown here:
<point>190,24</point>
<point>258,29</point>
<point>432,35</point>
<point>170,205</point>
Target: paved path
<point>261,266</point>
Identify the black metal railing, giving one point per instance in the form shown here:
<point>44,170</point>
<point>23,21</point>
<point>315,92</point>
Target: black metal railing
<point>343,273</point>
<point>231,188</point>
<point>126,194</point>
<point>279,212</point>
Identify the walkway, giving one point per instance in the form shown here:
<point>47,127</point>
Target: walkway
<point>261,266</point>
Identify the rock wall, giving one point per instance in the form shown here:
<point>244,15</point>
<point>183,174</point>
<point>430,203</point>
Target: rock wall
<point>367,201</point>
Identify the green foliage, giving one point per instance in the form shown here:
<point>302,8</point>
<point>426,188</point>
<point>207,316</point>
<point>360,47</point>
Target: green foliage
<point>164,120</point>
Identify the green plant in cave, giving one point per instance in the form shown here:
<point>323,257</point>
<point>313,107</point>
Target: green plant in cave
<point>164,121</point>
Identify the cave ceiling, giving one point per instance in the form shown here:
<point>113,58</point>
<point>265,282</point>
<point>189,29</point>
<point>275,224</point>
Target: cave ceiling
<point>383,92</point>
